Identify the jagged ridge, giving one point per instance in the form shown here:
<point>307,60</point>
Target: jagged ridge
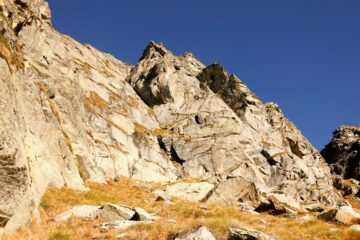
<point>73,114</point>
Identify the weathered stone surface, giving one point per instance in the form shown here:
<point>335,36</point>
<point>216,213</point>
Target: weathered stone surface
<point>314,207</point>
<point>142,215</point>
<point>344,214</point>
<point>200,233</point>
<point>343,152</point>
<point>195,192</point>
<point>282,202</point>
<point>67,115</point>
<point>217,129</point>
<point>248,234</point>
<point>236,192</point>
<point>84,211</point>
<point>161,195</point>
<point>109,212</point>
<point>114,212</point>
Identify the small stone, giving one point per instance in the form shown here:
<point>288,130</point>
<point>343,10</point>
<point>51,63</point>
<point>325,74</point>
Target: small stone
<point>306,218</point>
<point>171,221</point>
<point>316,207</point>
<point>203,206</point>
<point>354,181</point>
<point>121,235</point>
<point>355,227</point>
<point>248,234</point>
<point>200,233</point>
<point>261,221</point>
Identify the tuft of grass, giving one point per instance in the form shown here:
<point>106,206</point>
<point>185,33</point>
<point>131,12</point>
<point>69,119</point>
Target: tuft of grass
<point>68,141</point>
<point>39,72</point>
<point>352,235</point>
<point>44,204</point>
<point>133,102</point>
<point>59,236</point>
<point>13,57</point>
<point>146,132</point>
<point>87,68</point>
<point>4,42</point>
<point>94,101</point>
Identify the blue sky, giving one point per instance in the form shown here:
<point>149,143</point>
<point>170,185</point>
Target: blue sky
<point>303,55</point>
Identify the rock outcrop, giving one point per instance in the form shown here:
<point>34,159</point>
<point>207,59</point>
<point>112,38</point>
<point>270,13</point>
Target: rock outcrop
<point>217,130</point>
<point>343,152</point>
<point>67,115</point>
<point>72,114</point>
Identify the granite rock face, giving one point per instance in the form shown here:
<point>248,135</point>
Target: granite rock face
<point>71,114</point>
<point>67,115</point>
<point>343,152</point>
<point>217,129</point>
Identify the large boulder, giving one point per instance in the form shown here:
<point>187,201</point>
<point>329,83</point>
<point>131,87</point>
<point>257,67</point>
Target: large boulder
<point>343,152</point>
<point>245,233</point>
<point>195,192</point>
<point>109,212</point>
<point>83,211</point>
<point>344,214</point>
<point>112,212</point>
<point>236,192</point>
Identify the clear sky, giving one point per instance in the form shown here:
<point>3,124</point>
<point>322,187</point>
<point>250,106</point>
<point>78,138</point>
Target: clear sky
<point>303,55</point>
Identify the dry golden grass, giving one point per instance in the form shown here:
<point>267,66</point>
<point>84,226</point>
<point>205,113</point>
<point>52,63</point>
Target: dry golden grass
<point>145,132</point>
<point>40,73</point>
<point>353,202</point>
<point>186,214</point>
<point>133,102</point>
<point>95,101</point>
<point>87,68</point>
<point>4,42</point>
<point>5,51</point>
<point>13,57</point>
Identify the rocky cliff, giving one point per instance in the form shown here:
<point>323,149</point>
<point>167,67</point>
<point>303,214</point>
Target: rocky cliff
<point>343,152</point>
<point>72,114</point>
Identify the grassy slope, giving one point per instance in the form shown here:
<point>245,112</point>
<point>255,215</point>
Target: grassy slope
<point>187,215</point>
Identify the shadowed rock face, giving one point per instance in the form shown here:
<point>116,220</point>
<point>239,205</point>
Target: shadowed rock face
<point>70,114</point>
<point>343,152</point>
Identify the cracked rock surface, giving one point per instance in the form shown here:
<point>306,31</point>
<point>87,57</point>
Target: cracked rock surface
<point>71,114</point>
